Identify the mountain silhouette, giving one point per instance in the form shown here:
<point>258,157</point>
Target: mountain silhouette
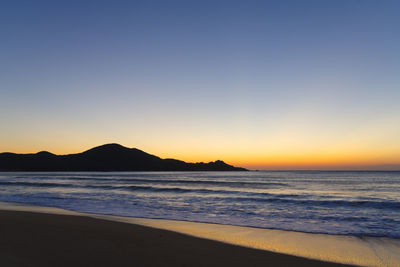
<point>109,157</point>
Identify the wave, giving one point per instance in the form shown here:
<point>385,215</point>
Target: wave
<point>129,188</point>
<point>236,196</point>
<point>380,205</point>
<point>235,184</point>
<point>32,184</point>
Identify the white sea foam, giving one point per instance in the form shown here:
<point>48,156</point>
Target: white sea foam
<point>365,251</point>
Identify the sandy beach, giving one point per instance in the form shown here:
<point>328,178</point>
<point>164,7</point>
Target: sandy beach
<point>38,239</point>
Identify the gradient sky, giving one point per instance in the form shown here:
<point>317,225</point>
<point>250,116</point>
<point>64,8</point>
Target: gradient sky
<point>261,84</point>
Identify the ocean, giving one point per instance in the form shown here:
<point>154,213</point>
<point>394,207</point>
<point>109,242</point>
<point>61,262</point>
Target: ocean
<point>330,202</point>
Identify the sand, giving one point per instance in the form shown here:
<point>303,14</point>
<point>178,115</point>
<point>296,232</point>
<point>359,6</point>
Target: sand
<point>39,239</point>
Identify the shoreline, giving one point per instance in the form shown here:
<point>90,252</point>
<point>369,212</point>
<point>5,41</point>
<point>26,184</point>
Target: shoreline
<point>326,248</point>
<point>44,239</point>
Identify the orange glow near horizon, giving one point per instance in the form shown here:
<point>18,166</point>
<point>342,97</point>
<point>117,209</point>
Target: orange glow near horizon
<point>255,160</point>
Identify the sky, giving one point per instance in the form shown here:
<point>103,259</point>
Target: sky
<point>259,84</point>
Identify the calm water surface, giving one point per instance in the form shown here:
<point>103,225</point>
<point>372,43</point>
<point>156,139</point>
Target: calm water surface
<point>349,203</point>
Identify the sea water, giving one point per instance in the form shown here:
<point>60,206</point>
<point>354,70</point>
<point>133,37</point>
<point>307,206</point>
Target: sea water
<point>346,217</point>
<point>344,203</point>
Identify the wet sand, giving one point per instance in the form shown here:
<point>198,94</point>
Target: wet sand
<point>39,239</point>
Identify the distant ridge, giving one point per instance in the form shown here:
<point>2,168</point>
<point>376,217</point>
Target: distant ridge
<point>108,157</point>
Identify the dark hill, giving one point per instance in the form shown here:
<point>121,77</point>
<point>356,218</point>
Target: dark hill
<point>110,157</point>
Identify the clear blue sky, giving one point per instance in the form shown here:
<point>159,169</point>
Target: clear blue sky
<point>256,83</point>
